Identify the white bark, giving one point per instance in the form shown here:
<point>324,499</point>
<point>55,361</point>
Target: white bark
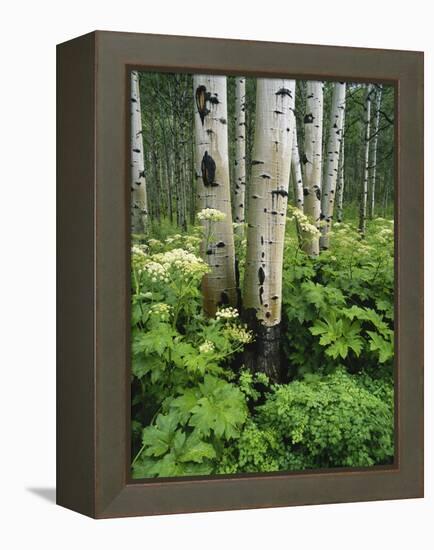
<point>332,161</point>
<point>297,178</point>
<point>212,173</point>
<point>139,205</point>
<point>341,180</point>
<point>267,199</point>
<point>364,190</point>
<point>373,162</point>
<point>240,153</point>
<point>312,159</point>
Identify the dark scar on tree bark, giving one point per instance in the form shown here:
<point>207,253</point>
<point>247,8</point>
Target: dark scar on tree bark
<point>308,119</point>
<point>208,168</point>
<point>222,120</point>
<point>305,191</point>
<point>201,98</point>
<point>257,162</point>
<point>220,244</point>
<point>136,150</point>
<point>261,276</point>
<point>304,159</point>
<point>318,193</point>
<point>224,299</point>
<point>281,192</point>
<point>134,100</point>
<point>261,292</point>
<point>284,91</point>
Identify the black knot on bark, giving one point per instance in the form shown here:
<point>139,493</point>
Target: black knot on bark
<point>208,168</point>
<point>224,299</point>
<point>284,91</point>
<point>280,192</point>
<point>308,119</point>
<point>201,97</point>
<point>261,276</point>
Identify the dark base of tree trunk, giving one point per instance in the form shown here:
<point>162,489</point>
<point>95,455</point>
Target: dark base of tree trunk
<point>264,354</point>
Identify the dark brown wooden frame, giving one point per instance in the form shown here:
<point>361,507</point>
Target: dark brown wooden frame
<point>93,366</point>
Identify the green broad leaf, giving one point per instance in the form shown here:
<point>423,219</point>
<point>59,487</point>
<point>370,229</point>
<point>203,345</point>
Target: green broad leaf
<point>385,348</point>
<point>143,364</point>
<point>181,353</point>
<point>337,349</point>
<point>222,410</point>
<point>158,439</point>
<point>144,467</point>
<point>196,450</point>
<point>314,293</point>
<point>366,314</point>
<point>320,327</point>
<point>158,340</point>
<point>136,314</point>
<point>183,405</point>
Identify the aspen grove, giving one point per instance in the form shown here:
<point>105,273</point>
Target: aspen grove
<point>262,274</point>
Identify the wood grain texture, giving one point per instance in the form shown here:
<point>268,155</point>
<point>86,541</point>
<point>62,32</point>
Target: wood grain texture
<point>75,275</point>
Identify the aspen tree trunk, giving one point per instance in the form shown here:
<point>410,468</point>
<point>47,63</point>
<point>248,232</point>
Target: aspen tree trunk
<point>267,204</point>
<point>312,159</point>
<point>297,178</point>
<point>212,174</point>
<point>341,181</point>
<point>373,162</point>
<point>364,190</point>
<point>139,203</point>
<point>240,153</point>
<point>332,161</point>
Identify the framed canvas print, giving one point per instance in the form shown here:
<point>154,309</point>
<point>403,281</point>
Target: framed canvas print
<point>240,260</point>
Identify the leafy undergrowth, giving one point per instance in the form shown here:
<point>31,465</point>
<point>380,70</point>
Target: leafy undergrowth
<point>197,411</point>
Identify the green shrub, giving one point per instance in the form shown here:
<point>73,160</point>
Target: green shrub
<point>332,420</point>
<point>339,306</point>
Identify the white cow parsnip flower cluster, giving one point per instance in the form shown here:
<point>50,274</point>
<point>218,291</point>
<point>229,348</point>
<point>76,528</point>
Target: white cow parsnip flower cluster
<point>239,333</point>
<point>206,347</point>
<point>227,313</point>
<point>155,271</point>
<point>309,229</point>
<point>211,214</point>
<point>161,311</point>
<point>182,261</point>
